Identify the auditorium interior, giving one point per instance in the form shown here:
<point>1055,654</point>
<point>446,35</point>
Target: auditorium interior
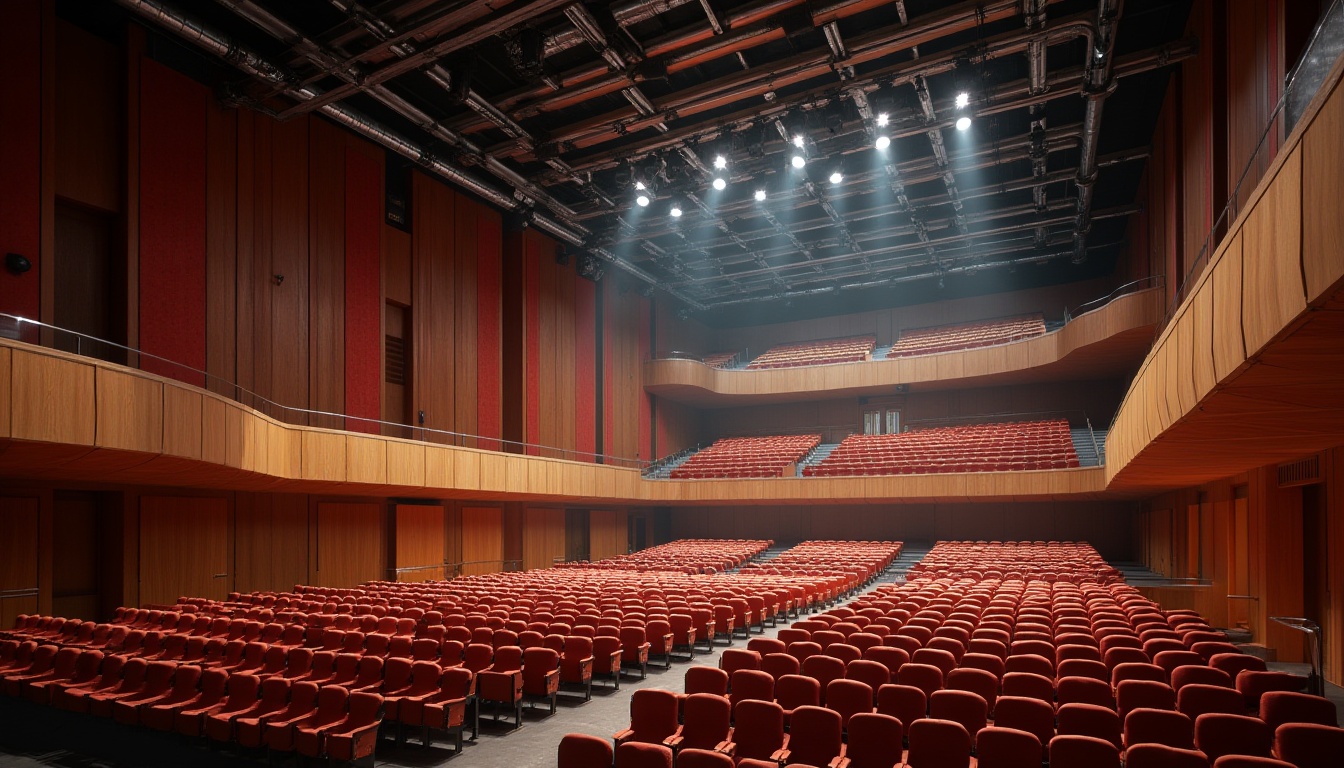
<point>672,383</point>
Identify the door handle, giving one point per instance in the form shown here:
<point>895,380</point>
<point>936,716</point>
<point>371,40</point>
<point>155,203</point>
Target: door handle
<point>221,576</point>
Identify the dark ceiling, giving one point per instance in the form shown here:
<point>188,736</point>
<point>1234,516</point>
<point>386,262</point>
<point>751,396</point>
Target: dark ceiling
<point>554,110</point>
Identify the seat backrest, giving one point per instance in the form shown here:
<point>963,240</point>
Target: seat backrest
<point>706,719</point>
<point>969,709</point>
<point>997,747</point>
<point>1195,699</point>
<point>815,735</point>
<point>1164,756</point>
<point>1133,694</point>
<point>578,750</point>
<point>1085,690</point>
<point>904,702</point>
<point>873,741</point>
<point>641,755</point>
<point>793,691</point>
<point>1159,726</point>
<point>848,698</point>
<point>977,681</point>
<point>1279,707</point>
<point>1192,675</point>
<point>653,714</point>
<point>1089,720</point>
<point>1026,714</point>
<point>1309,745</point>
<point>707,680</point>
<point>751,684</point>
<point>1075,751</point>
<point>370,672</point>
<point>758,729</point>
<point>330,702</point>
<point>478,656</point>
<point>938,744</point>
<point>537,663</point>
<point>779,664</point>
<point>925,677</point>
<point>702,758</point>
<point>1219,733</point>
<point>242,690</point>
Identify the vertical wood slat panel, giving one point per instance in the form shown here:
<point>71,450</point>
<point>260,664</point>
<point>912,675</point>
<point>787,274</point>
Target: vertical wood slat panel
<point>543,537</point>
<point>433,276</point>
<point>288,235</point>
<point>350,549</point>
<point>326,268</point>
<point>466,317</point>
<point>420,541</point>
<point>184,547</point>
<point>1322,226</point>
<point>482,540</point>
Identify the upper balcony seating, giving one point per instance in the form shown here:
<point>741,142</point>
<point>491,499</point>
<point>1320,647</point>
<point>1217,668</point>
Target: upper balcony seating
<point>977,448</point>
<point>685,555</point>
<point>747,457</point>
<point>719,359</point>
<point>823,352</point>
<point>950,338</point>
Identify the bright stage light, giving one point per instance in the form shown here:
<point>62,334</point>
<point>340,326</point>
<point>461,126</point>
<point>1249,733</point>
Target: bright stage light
<point>798,141</point>
<point>798,162</point>
<point>882,142</point>
<point>963,99</point>
<point>676,211</point>
<point>837,177</point>
<point>963,123</point>
<point>642,201</point>
<point>720,162</point>
<point>882,118</point>
<point>720,184</point>
<point>760,195</point>
<point>640,186</point>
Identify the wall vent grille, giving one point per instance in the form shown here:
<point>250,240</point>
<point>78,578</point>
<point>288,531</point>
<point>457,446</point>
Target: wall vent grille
<point>1303,472</point>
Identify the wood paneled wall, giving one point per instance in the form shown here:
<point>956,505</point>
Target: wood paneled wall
<point>349,547</point>
<point>1256,569</point>
<point>626,347</point>
<point>1105,525</point>
<point>420,533</point>
<point>543,537</point>
<point>606,533</point>
<point>184,548</point>
<point>271,545</point>
<point>20,564</point>
<point>482,540</point>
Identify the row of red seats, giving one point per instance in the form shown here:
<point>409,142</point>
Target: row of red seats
<point>997,448</point>
<point>992,560</point>
<point>504,655</point>
<point>949,338</point>
<point>747,457</point>
<point>699,556</point>
<point>821,352</point>
<point>959,662</point>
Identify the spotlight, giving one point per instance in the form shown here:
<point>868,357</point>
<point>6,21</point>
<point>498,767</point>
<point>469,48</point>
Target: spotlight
<point>963,99</point>
<point>798,162</point>
<point>760,195</point>
<point>882,118</point>
<point>837,177</point>
<point>882,142</point>
<point>639,185</point>
<point>676,211</point>
<point>719,184</point>
<point>963,123</point>
<point>720,162</point>
<point>798,141</point>
<point>642,201</point>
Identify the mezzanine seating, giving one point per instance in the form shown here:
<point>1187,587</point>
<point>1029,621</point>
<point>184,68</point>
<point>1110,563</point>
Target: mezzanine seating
<point>951,338</point>
<point>719,359</point>
<point>747,457</point>
<point>689,556</point>
<point>822,352</point>
<point>1028,445</point>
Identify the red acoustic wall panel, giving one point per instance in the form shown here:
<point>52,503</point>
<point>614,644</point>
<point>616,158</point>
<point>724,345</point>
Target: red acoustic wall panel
<point>489,256</point>
<point>585,366</point>
<point>363,217</point>
<point>20,155</point>
<point>531,340</point>
<point>172,222</point>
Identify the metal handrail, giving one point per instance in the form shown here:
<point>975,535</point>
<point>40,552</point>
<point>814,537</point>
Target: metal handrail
<point>1316,636</point>
<point>457,567</point>
<point>1101,457</point>
<point>241,395</point>
<point>1078,310</point>
<point>990,418</point>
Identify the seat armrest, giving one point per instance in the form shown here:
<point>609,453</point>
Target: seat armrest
<point>726,747</point>
<point>674,741</point>
<point>620,737</point>
<point>780,756</point>
<point>839,762</point>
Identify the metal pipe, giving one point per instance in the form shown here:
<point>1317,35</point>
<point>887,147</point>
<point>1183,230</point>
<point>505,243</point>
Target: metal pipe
<point>253,64</point>
<point>625,15</point>
<point>1099,84</point>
